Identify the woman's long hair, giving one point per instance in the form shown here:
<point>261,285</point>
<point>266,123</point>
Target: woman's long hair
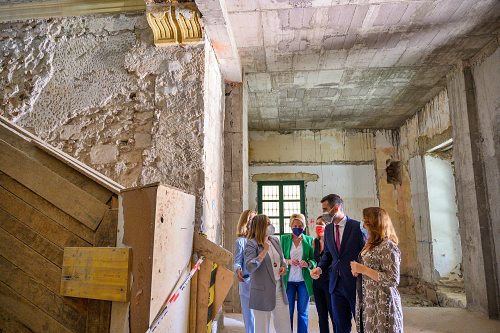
<point>241,230</point>
<point>380,227</point>
<point>258,228</point>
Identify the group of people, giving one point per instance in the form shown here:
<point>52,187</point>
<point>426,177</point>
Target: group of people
<point>351,269</point>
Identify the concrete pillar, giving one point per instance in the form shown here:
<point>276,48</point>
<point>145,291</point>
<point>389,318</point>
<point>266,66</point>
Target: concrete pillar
<point>474,173</point>
<point>234,179</point>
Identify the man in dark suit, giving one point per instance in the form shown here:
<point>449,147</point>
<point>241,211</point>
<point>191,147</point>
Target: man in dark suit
<point>343,243</point>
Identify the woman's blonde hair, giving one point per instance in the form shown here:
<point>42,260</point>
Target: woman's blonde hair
<point>380,227</point>
<point>258,228</point>
<point>299,217</point>
<point>242,229</point>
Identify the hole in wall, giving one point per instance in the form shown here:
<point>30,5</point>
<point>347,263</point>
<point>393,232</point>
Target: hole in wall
<point>393,171</point>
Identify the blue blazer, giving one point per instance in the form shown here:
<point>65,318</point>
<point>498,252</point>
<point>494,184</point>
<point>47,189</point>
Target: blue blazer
<point>334,262</point>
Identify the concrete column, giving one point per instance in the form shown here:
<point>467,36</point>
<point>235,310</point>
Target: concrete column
<point>234,178</point>
<point>475,216</point>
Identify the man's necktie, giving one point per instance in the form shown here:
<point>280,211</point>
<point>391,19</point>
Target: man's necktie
<point>337,237</point>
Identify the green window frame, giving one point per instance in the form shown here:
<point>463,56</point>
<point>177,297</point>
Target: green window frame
<point>280,202</point>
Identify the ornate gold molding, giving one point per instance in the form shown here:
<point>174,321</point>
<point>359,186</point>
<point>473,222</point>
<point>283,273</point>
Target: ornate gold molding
<point>174,23</point>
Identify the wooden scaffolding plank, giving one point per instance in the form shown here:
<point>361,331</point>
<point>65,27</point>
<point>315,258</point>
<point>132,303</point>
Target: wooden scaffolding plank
<point>105,234</point>
<point>27,313</point>
<point>26,235</point>
<point>99,316</point>
<point>49,185</point>
<point>46,207</point>
<point>31,262</point>
<point>71,312</point>
<point>9,324</point>
<point>38,221</point>
<point>98,273</point>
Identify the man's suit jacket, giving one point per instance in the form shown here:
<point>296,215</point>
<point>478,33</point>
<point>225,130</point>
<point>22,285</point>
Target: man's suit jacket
<point>262,281</point>
<point>339,264</point>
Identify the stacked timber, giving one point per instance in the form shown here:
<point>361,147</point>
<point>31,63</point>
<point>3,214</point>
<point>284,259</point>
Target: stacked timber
<point>48,202</point>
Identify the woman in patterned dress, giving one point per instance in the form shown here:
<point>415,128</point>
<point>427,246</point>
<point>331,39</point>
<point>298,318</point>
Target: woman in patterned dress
<point>378,303</point>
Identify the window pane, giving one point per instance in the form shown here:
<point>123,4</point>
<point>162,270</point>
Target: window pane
<point>291,192</point>
<point>290,208</point>
<point>270,192</point>
<point>276,223</point>
<point>271,208</point>
<point>288,230</point>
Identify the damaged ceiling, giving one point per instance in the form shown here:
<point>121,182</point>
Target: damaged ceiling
<point>315,64</point>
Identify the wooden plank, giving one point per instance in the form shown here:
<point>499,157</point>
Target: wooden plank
<point>38,221</point>
<point>30,261</point>
<point>49,185</point>
<point>26,235</point>
<point>99,317</point>
<point>212,251</point>
<point>71,312</point>
<point>27,313</point>
<point>12,131</point>
<point>9,324</point>
<point>202,295</point>
<point>223,282</point>
<point>63,164</point>
<point>193,296</point>
<point>105,234</point>
<point>47,208</point>
<point>98,273</point>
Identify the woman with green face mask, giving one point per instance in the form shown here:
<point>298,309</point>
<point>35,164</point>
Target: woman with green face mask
<point>299,255</point>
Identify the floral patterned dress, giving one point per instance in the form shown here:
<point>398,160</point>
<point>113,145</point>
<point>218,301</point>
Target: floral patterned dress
<point>378,304</point>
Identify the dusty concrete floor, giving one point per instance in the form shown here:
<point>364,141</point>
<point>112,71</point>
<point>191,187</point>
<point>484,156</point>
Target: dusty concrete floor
<point>419,316</point>
<point>416,319</point>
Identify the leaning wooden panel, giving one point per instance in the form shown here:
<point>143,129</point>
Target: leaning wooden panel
<point>212,251</point>
<point>98,273</point>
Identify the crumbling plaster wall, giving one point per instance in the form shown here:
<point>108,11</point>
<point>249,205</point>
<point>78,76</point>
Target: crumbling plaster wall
<point>213,145</point>
<point>407,202</point>
<point>96,87</point>
<point>474,93</point>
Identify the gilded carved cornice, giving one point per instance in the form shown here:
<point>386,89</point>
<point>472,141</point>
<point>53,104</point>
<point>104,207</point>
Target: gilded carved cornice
<point>174,22</point>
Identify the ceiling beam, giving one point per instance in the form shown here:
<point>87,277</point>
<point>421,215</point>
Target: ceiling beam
<point>59,8</point>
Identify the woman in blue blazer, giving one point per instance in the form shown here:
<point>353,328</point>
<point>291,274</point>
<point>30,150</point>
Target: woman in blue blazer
<point>240,269</point>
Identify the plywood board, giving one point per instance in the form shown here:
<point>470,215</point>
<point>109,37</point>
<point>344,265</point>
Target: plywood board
<point>49,185</point>
<point>173,243</point>
<point>212,251</point>
<point>202,295</point>
<point>98,273</point>
<point>223,282</point>
<point>138,218</point>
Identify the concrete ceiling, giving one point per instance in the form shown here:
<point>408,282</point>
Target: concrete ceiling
<point>314,64</point>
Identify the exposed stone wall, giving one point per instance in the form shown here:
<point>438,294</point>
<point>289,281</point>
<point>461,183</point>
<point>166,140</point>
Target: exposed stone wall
<point>96,87</point>
<point>407,202</point>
